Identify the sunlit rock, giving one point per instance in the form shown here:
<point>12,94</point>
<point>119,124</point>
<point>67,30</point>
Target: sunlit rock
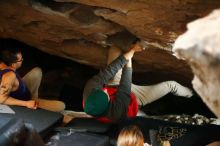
<point>200,47</point>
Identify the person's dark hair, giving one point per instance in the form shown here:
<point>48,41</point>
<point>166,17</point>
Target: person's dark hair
<point>8,54</point>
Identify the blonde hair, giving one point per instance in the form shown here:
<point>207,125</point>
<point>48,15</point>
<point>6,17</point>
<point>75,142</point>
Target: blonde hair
<point>130,136</point>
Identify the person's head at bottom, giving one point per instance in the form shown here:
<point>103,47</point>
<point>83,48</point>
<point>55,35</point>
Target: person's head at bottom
<point>130,136</point>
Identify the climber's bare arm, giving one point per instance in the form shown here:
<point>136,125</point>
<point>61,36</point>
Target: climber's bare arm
<point>6,86</point>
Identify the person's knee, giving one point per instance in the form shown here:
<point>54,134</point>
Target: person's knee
<point>36,72</point>
<point>113,53</point>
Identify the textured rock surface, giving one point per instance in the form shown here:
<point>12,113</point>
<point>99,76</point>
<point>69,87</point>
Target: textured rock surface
<point>200,46</point>
<point>196,119</point>
<point>82,30</point>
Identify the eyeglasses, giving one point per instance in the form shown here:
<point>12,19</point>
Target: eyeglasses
<point>22,59</point>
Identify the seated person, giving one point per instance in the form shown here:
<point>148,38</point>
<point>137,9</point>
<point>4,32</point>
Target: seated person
<point>15,90</point>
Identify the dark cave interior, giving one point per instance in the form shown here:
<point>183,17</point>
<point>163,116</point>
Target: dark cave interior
<point>64,79</point>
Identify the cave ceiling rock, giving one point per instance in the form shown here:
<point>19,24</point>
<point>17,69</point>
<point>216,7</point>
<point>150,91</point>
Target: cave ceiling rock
<point>200,47</point>
<point>82,30</point>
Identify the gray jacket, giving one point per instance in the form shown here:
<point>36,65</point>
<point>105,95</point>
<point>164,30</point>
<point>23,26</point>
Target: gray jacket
<point>118,108</point>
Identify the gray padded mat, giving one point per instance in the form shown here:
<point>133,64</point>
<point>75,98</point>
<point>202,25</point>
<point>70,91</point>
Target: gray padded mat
<point>42,120</point>
<point>3,121</point>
